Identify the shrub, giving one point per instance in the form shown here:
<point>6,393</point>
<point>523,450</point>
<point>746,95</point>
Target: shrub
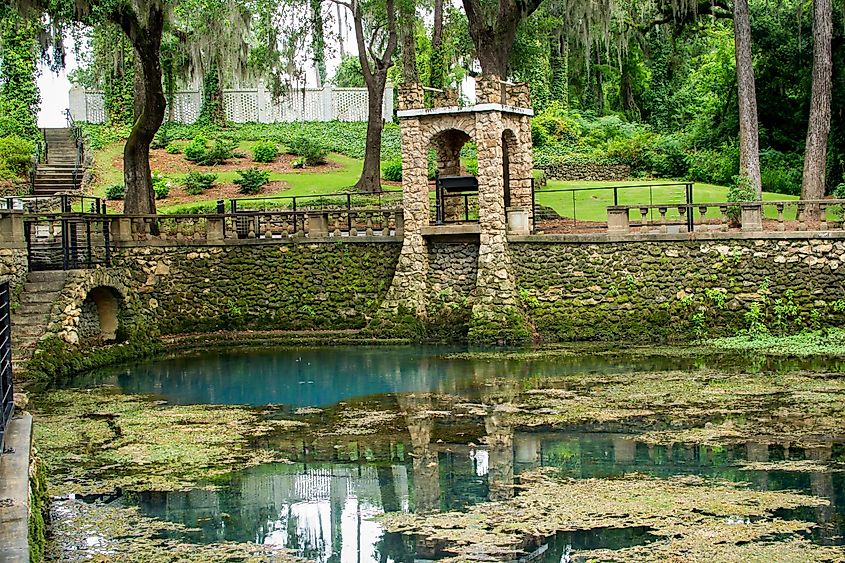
<point>195,150</point>
<point>161,139</point>
<point>161,186</point>
<point>781,172</point>
<point>392,169</point>
<point>740,189</point>
<point>265,151</point>
<point>197,182</point>
<point>311,151</point>
<point>252,180</point>
<point>173,149</point>
<point>16,154</point>
<point>116,191</point>
<point>472,167</point>
<point>219,153</point>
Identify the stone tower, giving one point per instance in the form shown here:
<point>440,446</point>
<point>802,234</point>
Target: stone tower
<point>499,123</point>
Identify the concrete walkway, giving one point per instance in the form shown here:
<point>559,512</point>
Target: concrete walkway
<point>14,491</point>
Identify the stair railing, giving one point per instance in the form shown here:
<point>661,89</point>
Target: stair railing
<point>36,160</point>
<point>76,133</point>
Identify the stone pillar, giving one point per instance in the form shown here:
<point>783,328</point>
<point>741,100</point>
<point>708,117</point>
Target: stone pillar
<point>496,317</point>
<point>489,90</point>
<point>411,96</point>
<point>751,216</point>
<point>214,229</point>
<point>409,286</point>
<point>618,220</point>
<point>120,229</point>
<point>518,221</point>
<point>520,165</point>
<point>318,225</point>
<point>11,226</point>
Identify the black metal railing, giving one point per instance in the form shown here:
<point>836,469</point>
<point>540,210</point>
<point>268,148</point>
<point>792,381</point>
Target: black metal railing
<point>455,199</point>
<point>296,207</point>
<point>67,241</point>
<point>76,133</point>
<point>59,203</point>
<point>7,388</point>
<point>571,206</point>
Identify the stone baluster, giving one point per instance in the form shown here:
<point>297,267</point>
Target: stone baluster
<point>781,225</point>
<point>336,232</point>
<point>369,230</point>
<point>823,216</point>
<point>385,226</point>
<point>723,211</point>
<point>644,217</point>
<point>664,228</point>
<point>702,214</point>
<point>353,229</point>
<point>802,226</point>
<point>682,211</point>
<point>399,222</point>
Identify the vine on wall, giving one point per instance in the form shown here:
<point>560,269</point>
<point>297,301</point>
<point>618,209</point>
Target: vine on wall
<point>19,96</point>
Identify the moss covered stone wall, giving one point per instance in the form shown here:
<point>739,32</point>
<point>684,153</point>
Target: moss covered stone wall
<point>679,289</point>
<point>297,285</point>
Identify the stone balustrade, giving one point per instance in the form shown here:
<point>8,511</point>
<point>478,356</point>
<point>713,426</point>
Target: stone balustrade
<point>266,225</point>
<point>789,215</point>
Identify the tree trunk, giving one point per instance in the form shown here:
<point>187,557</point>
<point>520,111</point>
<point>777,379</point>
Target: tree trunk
<point>140,198</point>
<point>818,128</point>
<point>318,40</point>
<point>494,43</point>
<point>437,63</point>
<point>749,143</point>
<point>409,46</point>
<point>370,180</point>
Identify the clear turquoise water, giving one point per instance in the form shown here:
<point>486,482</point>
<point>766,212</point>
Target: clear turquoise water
<point>321,504</point>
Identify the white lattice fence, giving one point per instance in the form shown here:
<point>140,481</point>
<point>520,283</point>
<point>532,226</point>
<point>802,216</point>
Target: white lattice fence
<point>255,105</point>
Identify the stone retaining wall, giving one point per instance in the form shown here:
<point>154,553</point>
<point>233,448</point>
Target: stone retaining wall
<point>570,288</point>
<point>297,285</point>
<point>593,172</point>
<point>13,267</point>
<point>679,289</point>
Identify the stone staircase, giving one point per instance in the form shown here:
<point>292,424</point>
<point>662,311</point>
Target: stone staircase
<point>29,321</point>
<point>56,175</point>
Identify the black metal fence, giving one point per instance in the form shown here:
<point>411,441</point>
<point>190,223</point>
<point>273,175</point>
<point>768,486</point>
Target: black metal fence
<point>345,201</point>
<point>585,208</point>
<point>7,389</point>
<point>67,241</point>
<point>59,203</point>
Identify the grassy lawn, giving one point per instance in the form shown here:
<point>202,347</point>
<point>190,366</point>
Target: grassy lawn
<point>339,177</point>
<point>590,204</point>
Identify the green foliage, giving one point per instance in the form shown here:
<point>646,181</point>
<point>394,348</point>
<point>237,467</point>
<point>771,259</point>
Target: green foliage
<point>311,151</point>
<point>195,150</point>
<point>197,182</point>
<point>211,111</point>
<point>39,510</point>
<point>15,156</point>
<point>161,187</point>
<point>19,97</point>
<point>349,73</point>
<point>173,149</point>
<point>251,180</point>
<point>116,191</point>
<point>392,169</point>
<point>741,189</point>
<point>265,151</point>
<point>344,137</point>
<point>221,151</point>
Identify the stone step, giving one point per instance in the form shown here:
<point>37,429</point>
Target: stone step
<point>43,286</point>
<point>26,311</point>
<point>39,297</point>
<point>35,331</point>
<point>46,276</point>
<point>52,189</point>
